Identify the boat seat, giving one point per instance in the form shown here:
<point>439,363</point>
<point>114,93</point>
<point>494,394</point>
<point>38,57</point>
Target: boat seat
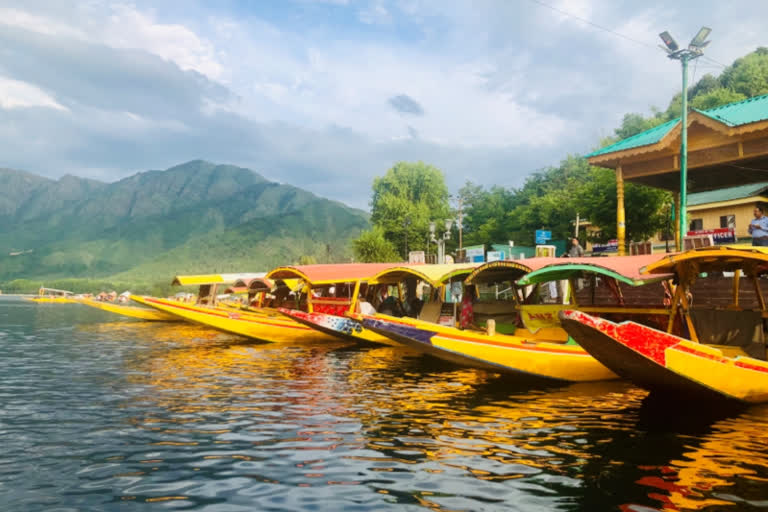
<point>743,329</point>
<point>430,312</point>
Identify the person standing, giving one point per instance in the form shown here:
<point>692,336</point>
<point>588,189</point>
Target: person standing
<point>758,228</point>
<point>576,251</point>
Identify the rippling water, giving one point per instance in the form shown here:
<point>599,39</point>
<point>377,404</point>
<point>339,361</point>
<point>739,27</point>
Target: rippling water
<point>103,414</point>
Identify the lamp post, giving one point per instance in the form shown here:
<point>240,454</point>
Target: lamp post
<point>440,241</point>
<point>406,223</point>
<point>684,55</point>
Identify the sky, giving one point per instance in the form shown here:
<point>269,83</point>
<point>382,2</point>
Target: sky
<point>328,94</point>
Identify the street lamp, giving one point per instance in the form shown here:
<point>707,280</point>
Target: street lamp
<point>684,55</point>
<point>441,240</point>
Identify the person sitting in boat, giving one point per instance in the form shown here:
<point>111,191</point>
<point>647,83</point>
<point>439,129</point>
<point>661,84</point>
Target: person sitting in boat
<point>467,312</point>
<point>365,307</point>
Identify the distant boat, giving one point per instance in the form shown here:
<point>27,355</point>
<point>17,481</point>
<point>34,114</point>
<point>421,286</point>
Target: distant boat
<point>53,296</point>
<point>130,311</point>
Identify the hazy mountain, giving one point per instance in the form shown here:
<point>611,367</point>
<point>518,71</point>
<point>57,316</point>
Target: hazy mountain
<point>195,217</point>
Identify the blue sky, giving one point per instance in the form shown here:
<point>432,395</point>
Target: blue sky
<point>327,94</point>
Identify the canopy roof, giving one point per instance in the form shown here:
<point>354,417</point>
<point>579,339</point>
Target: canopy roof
<point>261,284</point>
<point>727,147</point>
<point>329,274</point>
<point>213,278</point>
<point>623,268</point>
<point>713,259</point>
<point>507,269</point>
<point>731,115</point>
<point>435,275</point>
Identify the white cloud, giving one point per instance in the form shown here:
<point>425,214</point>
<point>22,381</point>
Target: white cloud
<point>18,94</point>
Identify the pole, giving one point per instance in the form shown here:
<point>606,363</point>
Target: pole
<point>684,153</point>
<point>621,229</point>
<point>577,225</point>
<point>461,241</point>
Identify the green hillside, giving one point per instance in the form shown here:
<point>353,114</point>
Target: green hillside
<point>195,217</point>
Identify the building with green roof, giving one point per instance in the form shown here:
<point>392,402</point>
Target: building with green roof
<point>727,149</point>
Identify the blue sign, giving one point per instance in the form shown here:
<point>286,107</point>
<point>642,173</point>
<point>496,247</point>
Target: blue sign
<point>543,236</point>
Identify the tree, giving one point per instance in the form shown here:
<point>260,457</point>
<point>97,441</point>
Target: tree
<point>373,247</point>
<point>405,200</point>
<point>716,98</point>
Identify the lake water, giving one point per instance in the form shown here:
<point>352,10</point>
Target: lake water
<point>98,413</point>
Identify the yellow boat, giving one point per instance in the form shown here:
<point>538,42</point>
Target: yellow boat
<point>713,345</point>
<point>527,342</point>
<point>334,291</point>
<point>253,325</point>
<point>53,296</point>
<point>262,323</point>
<point>150,314</point>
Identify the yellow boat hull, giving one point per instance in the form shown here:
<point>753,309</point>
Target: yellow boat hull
<point>153,315</point>
<point>252,325</point>
<point>525,355</point>
<point>53,300</point>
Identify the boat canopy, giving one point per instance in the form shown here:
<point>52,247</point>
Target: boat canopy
<point>316,275</point>
<point>435,275</point>
<point>717,258</point>
<point>625,269</point>
<point>54,291</point>
<point>495,271</point>
<point>214,278</point>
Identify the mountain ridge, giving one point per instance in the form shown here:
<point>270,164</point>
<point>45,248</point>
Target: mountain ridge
<point>76,227</point>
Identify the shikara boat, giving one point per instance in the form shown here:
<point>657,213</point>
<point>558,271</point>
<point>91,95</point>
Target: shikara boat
<point>262,322</point>
<point>526,339</point>
<point>150,314</point>
<point>53,296</point>
<point>335,314</point>
<point>713,344</point>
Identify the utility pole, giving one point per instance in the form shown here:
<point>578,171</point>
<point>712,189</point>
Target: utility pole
<point>684,55</point>
<point>461,226</point>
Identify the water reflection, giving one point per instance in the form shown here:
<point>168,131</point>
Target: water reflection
<point>120,414</point>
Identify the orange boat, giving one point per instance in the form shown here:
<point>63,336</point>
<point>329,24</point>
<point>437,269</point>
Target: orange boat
<point>713,345</point>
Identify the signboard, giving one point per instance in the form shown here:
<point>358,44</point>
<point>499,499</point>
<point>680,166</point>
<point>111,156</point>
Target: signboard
<point>611,246</point>
<point>417,257</point>
<point>476,254</point>
<point>495,256</point>
<point>719,235</point>
<point>542,236</point>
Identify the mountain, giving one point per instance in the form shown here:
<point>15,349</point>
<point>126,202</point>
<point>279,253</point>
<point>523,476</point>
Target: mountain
<point>192,218</point>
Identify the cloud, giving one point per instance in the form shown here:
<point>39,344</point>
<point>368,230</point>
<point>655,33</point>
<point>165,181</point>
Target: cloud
<point>406,105</point>
<point>313,92</point>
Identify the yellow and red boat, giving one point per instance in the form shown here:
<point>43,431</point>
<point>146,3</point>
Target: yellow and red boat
<point>529,341</point>
<point>335,315</point>
<point>713,346</point>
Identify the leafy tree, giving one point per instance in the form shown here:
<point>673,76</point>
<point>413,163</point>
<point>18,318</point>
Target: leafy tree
<point>644,206</point>
<point>306,259</point>
<point>748,75</point>
<point>716,98</point>
<point>373,247</point>
<point>406,200</point>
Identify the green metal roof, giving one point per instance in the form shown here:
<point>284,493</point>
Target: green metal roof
<point>727,194</point>
<point>742,112</point>
<point>733,114</point>
<point>645,138</point>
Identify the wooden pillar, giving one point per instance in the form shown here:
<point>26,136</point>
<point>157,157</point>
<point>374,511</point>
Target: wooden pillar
<point>621,230</point>
<point>678,242</point>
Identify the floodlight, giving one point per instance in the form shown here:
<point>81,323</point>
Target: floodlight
<point>699,40</point>
<point>669,41</point>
